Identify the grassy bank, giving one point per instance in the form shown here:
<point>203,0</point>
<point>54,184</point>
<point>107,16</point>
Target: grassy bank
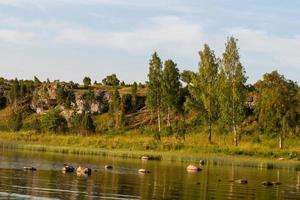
<point>134,144</point>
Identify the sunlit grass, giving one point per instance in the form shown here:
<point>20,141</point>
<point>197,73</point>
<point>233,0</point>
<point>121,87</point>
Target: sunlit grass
<point>134,144</point>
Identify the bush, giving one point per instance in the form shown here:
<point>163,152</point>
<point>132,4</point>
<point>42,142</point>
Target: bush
<point>83,122</point>
<point>53,121</point>
<point>15,122</point>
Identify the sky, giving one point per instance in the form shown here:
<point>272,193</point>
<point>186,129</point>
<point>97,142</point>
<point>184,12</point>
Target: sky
<point>70,39</point>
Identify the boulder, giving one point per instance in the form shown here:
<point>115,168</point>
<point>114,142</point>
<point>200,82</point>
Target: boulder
<point>143,171</point>
<point>68,168</point>
<point>108,167</point>
<point>29,168</point>
<point>202,162</point>
<point>270,183</point>
<point>241,181</point>
<point>83,171</point>
<point>145,157</point>
<point>193,168</point>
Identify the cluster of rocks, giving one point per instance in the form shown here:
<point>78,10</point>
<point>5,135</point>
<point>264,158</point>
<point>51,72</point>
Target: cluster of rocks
<point>46,97</point>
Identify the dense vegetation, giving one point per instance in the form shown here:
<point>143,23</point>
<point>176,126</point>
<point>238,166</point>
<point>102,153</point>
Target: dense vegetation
<point>215,101</point>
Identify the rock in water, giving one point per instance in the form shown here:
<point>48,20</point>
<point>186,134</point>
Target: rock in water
<point>202,162</point>
<point>143,171</point>
<point>241,181</point>
<point>83,171</point>
<point>108,167</point>
<point>193,168</point>
<point>30,168</point>
<point>145,157</point>
<point>270,183</point>
<point>68,168</point>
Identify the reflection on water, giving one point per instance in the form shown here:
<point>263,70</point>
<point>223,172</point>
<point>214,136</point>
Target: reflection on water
<point>167,180</point>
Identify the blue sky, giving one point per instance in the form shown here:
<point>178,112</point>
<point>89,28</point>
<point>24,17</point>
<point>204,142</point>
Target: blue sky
<point>70,39</point>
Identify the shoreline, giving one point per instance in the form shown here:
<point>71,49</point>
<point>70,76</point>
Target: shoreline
<point>258,161</point>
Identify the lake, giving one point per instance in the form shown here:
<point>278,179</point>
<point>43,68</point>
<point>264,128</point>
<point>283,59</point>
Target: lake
<point>167,180</point>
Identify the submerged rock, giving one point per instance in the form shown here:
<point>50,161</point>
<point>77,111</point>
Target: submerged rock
<point>270,183</point>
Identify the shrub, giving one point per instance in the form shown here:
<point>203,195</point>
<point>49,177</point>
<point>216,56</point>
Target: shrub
<point>15,122</point>
<point>53,121</point>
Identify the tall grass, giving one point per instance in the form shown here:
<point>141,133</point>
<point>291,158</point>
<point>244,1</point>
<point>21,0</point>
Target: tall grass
<point>134,144</point>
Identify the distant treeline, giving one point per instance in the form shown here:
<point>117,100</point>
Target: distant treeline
<point>215,97</point>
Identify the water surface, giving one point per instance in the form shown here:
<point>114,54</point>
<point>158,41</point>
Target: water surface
<point>167,180</point>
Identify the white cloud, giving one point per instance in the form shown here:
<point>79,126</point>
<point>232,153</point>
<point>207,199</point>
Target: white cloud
<point>281,50</point>
<point>169,33</point>
<point>17,37</point>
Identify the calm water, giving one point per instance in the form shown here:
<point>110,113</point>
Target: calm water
<point>167,180</point>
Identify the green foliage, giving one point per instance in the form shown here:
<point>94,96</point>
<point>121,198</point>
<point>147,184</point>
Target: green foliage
<point>20,90</point>
<point>203,89</point>
<point>232,89</point>
<point>154,86</point>
<point>53,121</point>
<point>15,122</point>
<point>14,93</point>
<point>186,76</point>
<point>83,123</point>
<point>111,80</point>
<point>86,82</point>
<point>65,96</point>
<point>277,104</point>
<point>36,81</point>
<point>115,108</point>
<point>170,88</point>
<point>88,97</point>
<point>134,89</point>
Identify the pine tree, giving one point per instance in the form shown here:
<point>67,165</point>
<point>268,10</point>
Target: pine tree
<point>154,87</point>
<point>170,88</point>
<point>232,90</point>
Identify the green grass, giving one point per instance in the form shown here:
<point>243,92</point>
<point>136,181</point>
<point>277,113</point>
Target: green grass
<point>134,144</point>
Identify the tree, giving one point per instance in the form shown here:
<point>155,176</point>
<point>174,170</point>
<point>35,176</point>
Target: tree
<point>15,121</point>
<point>15,92</point>
<point>88,97</point>
<point>87,82</point>
<point>154,87</point>
<point>203,88</point>
<point>186,76</point>
<point>65,96</point>
<point>232,90</point>
<point>277,104</point>
<point>170,87</point>
<point>134,89</point>
<point>36,81</point>
<point>114,107</point>
<point>83,123</point>
<point>53,121</point>
<point>111,80</point>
